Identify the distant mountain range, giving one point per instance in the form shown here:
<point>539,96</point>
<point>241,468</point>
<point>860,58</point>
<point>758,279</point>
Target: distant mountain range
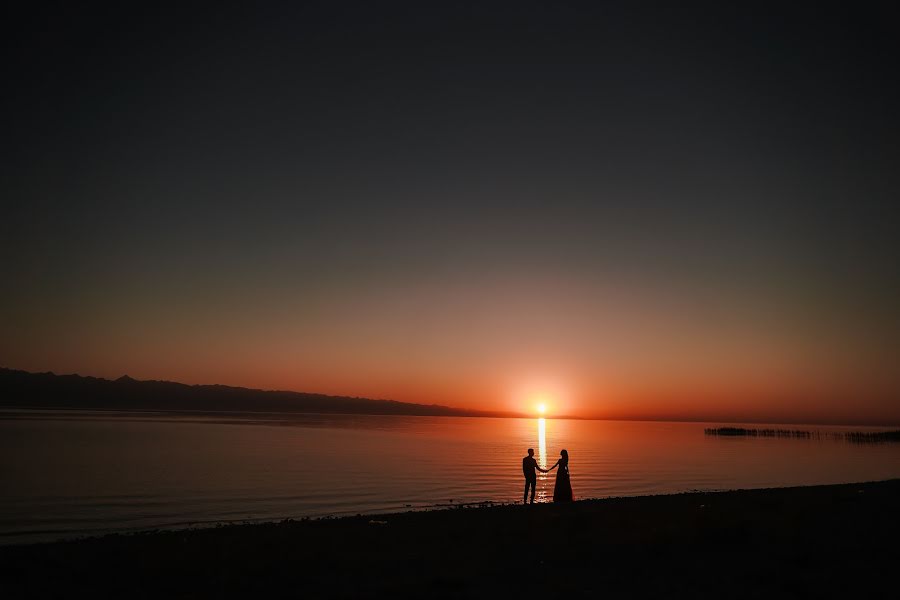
<point>21,389</point>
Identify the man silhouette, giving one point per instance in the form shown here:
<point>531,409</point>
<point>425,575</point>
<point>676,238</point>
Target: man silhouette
<point>528,467</point>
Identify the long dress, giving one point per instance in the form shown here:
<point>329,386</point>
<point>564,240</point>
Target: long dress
<point>562,491</point>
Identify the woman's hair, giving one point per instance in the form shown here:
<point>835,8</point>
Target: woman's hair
<point>564,453</point>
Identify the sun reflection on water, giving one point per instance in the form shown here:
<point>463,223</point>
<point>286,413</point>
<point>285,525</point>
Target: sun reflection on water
<point>542,442</point>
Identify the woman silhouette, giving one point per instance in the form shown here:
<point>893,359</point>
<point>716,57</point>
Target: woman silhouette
<point>562,491</point>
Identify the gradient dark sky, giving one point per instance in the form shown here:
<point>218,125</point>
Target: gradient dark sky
<point>632,209</point>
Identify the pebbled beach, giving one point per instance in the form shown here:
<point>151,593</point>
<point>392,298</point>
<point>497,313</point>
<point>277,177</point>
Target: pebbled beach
<point>789,542</point>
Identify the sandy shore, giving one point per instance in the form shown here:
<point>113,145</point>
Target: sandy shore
<point>823,541</point>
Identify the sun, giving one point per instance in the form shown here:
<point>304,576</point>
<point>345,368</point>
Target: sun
<point>541,408</point>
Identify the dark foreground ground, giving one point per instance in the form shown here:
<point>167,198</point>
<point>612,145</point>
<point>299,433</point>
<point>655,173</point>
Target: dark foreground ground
<point>830,541</point>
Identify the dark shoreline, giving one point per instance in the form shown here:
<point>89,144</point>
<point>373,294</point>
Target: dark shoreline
<point>784,542</point>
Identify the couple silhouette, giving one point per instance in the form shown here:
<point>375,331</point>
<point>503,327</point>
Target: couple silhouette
<point>562,491</point>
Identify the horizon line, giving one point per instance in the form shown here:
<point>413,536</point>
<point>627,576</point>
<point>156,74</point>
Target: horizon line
<point>472,413</point>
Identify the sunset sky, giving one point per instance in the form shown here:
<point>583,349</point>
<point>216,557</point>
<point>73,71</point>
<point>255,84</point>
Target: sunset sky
<point>617,209</point>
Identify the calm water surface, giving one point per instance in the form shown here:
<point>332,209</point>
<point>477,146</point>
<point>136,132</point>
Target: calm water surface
<point>63,475</point>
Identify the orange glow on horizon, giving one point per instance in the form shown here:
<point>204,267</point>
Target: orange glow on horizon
<point>737,398</point>
<point>580,349</point>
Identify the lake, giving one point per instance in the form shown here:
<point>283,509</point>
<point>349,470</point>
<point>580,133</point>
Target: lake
<point>66,474</point>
